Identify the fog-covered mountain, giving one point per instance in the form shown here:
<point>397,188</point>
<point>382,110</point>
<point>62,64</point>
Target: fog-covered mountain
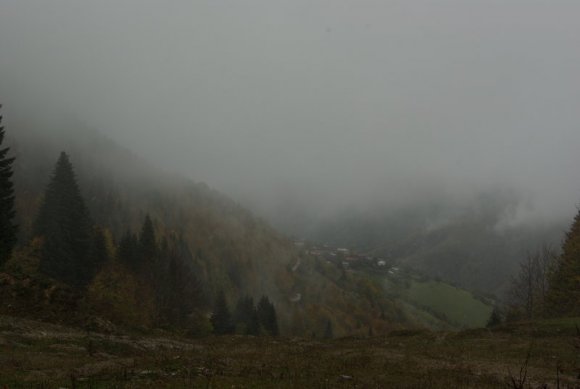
<point>231,250</point>
<point>477,243</point>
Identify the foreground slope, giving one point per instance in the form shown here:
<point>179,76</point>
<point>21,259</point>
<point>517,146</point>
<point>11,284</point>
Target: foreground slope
<point>35,354</point>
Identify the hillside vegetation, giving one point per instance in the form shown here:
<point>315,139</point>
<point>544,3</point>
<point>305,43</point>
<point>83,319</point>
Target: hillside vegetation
<point>220,244</point>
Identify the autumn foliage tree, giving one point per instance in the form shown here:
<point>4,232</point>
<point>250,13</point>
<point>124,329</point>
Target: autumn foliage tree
<point>116,294</point>
<point>529,288</point>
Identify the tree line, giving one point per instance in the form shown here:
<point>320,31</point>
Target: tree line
<point>247,318</point>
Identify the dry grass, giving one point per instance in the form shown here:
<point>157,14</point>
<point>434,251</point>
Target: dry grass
<point>37,355</point>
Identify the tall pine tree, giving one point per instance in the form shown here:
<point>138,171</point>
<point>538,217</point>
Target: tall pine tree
<point>64,223</point>
<point>246,316</point>
<point>221,319</point>
<point>7,213</point>
<point>128,251</point>
<point>148,243</point>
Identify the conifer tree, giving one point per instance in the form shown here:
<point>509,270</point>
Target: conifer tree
<point>246,316</point>
<point>564,293</point>
<point>128,251</point>
<point>173,307</point>
<point>180,290</point>
<point>221,319</point>
<point>147,238</point>
<point>267,316</point>
<point>64,223</point>
<point>98,254</point>
<point>150,269</point>
<point>7,227</point>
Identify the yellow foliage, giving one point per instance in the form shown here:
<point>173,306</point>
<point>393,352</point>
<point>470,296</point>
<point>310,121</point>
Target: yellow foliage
<point>25,260</point>
<point>118,295</point>
<point>109,243</point>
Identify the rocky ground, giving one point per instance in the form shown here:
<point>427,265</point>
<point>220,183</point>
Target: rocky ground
<point>40,355</point>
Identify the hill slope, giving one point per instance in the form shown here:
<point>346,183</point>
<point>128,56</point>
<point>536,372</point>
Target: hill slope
<point>471,243</point>
<point>231,249</point>
<point>34,353</point>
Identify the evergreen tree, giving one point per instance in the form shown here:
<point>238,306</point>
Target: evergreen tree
<point>64,223</point>
<point>147,240</point>
<point>7,213</point>
<point>564,293</point>
<point>180,290</point>
<point>267,316</point>
<point>98,254</point>
<point>221,319</point>
<point>174,302</point>
<point>149,253</point>
<point>128,251</point>
<point>246,316</point>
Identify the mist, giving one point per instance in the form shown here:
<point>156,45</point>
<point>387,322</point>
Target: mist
<point>301,108</point>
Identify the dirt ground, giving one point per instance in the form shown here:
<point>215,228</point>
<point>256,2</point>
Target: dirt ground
<point>40,355</point>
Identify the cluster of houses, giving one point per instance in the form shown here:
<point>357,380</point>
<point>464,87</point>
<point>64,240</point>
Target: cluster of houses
<point>345,257</point>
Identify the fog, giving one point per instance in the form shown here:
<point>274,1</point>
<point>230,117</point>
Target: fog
<point>307,107</point>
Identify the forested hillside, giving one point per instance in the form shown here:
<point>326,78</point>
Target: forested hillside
<point>153,249</point>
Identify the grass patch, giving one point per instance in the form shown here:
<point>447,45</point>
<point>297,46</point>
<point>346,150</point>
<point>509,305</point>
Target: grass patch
<point>459,306</point>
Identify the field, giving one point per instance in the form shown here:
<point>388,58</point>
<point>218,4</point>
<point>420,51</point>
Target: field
<point>40,355</point>
<point>458,305</point>
<point>436,304</point>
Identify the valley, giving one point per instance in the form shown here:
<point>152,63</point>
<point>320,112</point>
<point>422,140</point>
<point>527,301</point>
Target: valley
<point>428,302</point>
<point>296,194</point>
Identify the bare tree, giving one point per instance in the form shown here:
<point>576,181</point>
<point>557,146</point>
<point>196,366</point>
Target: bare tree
<point>546,264</point>
<point>530,286</point>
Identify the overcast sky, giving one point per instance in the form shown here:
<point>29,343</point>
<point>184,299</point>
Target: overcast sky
<point>323,102</point>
